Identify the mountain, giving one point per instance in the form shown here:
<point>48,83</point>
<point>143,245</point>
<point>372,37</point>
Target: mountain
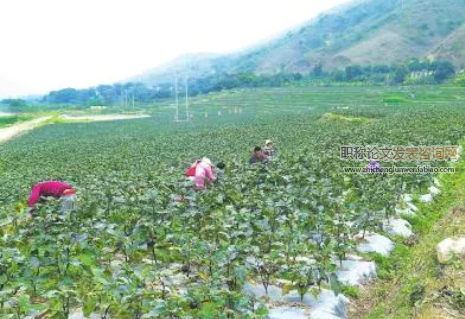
<point>361,32</point>
<point>192,65</point>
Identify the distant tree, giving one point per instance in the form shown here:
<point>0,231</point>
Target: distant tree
<point>400,73</point>
<point>15,105</point>
<point>381,69</point>
<point>416,65</point>
<point>339,75</point>
<point>353,72</point>
<point>84,96</point>
<point>443,70</point>
<point>367,70</point>
<point>14,102</point>
<point>63,96</point>
<point>298,77</point>
<point>317,70</point>
<point>106,93</point>
<point>95,102</point>
<point>247,78</point>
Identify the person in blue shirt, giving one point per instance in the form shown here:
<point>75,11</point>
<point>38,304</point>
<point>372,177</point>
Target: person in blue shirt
<point>258,156</point>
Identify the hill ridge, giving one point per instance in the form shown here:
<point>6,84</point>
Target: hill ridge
<point>359,32</point>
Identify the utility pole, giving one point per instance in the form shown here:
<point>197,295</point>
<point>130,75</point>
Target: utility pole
<point>176,97</point>
<point>125,98</point>
<point>132,98</point>
<point>187,98</point>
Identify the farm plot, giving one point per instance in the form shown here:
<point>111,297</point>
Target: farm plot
<point>361,101</point>
<point>263,241</point>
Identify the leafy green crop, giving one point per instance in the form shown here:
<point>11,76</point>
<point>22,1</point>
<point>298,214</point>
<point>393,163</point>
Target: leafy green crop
<point>130,251</point>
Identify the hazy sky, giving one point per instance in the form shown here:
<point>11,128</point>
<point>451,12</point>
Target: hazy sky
<point>53,44</point>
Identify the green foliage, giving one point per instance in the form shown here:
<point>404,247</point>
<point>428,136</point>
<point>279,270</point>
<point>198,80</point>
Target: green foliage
<point>317,70</point>
<point>350,291</point>
<point>458,299</point>
<point>124,94</point>
<point>15,105</point>
<point>130,251</point>
<point>139,95</point>
<point>400,73</point>
<point>9,120</point>
<point>460,80</point>
<point>417,267</point>
<point>443,70</point>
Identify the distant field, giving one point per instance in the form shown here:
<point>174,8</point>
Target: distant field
<point>375,101</point>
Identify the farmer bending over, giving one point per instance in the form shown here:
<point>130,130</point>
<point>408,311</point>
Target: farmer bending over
<point>58,190</point>
<point>258,156</point>
<point>201,172</point>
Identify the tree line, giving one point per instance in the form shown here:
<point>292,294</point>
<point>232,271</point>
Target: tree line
<point>413,72</point>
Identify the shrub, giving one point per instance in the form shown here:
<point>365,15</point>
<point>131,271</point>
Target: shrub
<point>460,80</point>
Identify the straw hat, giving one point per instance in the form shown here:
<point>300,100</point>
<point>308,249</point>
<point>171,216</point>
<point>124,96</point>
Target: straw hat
<point>268,142</point>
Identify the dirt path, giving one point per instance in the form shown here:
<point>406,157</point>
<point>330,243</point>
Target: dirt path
<point>9,132</point>
<point>105,117</point>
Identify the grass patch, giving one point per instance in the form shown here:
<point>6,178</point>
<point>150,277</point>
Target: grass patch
<point>459,80</point>
<point>350,291</point>
<point>345,118</point>
<point>10,120</point>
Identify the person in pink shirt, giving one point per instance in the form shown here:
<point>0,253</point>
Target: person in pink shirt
<point>56,189</point>
<point>201,172</point>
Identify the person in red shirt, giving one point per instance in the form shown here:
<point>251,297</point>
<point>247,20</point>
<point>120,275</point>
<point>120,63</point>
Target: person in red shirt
<point>56,189</point>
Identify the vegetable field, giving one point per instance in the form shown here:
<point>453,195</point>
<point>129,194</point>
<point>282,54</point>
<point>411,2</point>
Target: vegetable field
<point>131,251</point>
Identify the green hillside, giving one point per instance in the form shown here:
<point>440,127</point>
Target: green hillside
<point>452,48</point>
<point>362,32</point>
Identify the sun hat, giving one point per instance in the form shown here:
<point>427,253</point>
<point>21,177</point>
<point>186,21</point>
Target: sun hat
<point>268,142</point>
